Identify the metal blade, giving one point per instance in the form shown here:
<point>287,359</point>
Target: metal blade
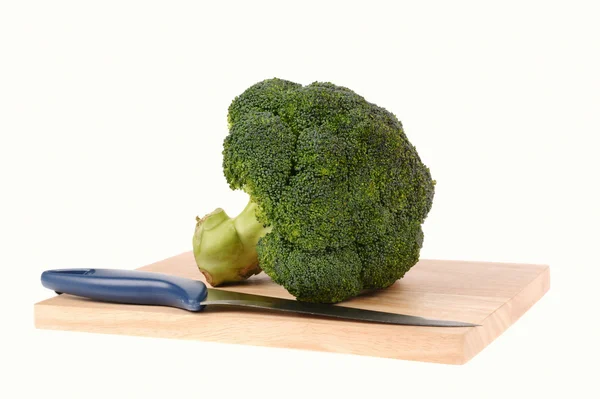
<point>222,297</point>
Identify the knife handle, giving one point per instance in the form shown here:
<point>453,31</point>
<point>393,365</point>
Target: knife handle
<point>128,286</point>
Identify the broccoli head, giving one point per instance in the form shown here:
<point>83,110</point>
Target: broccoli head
<point>340,191</point>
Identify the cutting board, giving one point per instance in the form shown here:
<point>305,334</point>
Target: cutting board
<point>494,295</point>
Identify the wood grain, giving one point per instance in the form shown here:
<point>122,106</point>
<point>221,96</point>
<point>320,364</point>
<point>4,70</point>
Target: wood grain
<point>494,295</point>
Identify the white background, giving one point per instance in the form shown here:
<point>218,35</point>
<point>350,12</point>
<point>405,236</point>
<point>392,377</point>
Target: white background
<point>112,117</point>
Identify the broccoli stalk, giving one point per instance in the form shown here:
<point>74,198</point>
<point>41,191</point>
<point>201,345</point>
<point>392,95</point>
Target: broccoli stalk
<point>225,247</point>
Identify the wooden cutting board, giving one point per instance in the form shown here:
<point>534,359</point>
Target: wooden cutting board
<point>494,295</point>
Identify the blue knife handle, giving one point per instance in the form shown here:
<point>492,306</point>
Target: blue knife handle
<point>128,286</point>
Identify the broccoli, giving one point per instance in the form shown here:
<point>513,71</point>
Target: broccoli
<point>340,192</point>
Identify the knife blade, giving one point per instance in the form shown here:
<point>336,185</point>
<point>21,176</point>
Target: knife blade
<point>151,288</point>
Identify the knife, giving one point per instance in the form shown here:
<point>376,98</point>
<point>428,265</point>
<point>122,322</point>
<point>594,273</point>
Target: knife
<point>150,288</point>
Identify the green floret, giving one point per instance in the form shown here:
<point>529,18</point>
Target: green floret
<point>335,179</point>
<point>330,275</point>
